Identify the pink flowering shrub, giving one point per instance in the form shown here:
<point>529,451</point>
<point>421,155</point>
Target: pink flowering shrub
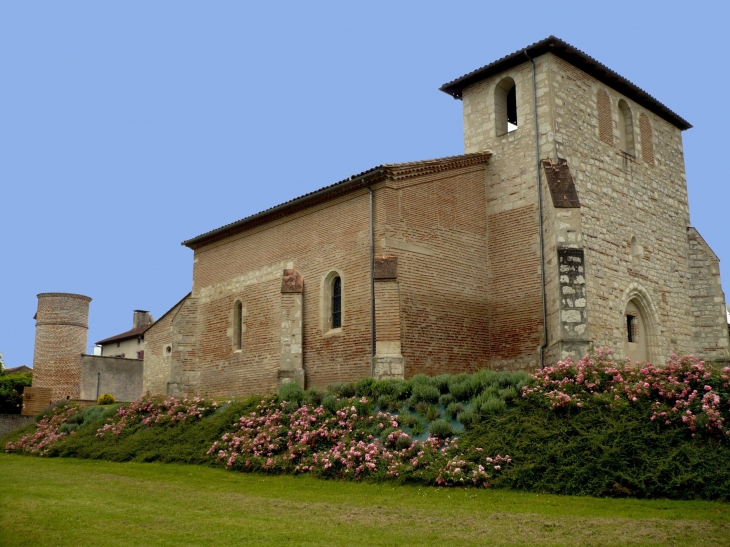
<point>344,444</point>
<point>686,391</point>
<point>46,433</point>
<point>154,410</point>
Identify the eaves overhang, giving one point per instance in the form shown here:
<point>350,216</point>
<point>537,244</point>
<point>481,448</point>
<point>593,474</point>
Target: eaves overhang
<point>578,59</point>
<point>396,171</point>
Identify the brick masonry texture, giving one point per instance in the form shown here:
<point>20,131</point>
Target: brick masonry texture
<point>157,359</point>
<point>647,139</point>
<point>605,122</point>
<point>458,271</point>
<point>60,341</point>
<point>560,182</point>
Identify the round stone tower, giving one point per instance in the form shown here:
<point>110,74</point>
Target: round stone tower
<point>62,324</point>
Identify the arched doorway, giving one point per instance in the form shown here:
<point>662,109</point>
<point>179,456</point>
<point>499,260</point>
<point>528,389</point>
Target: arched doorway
<point>635,333</point>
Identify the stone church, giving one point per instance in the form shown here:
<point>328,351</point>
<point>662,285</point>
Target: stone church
<point>564,226</point>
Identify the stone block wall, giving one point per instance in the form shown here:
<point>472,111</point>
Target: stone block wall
<point>624,198</point>
<point>709,324</point>
<point>11,422</point>
<point>291,365</point>
<point>388,360</point>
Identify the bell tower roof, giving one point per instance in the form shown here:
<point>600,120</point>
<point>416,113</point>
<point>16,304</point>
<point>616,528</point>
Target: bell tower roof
<point>580,60</point>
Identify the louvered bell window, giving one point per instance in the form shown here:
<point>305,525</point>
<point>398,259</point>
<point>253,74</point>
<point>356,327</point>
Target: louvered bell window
<point>336,303</point>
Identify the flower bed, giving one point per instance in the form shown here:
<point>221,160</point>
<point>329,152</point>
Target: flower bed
<point>351,443</point>
<point>46,433</point>
<point>685,391</point>
<point>153,410</point>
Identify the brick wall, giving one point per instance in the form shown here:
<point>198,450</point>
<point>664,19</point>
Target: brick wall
<point>603,111</point>
<point>436,226</point>
<point>249,267</point>
<point>157,358</point>
<point>60,341</point>
<point>515,302</point>
<point>435,316</point>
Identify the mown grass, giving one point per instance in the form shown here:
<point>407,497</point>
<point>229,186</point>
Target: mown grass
<point>70,502</point>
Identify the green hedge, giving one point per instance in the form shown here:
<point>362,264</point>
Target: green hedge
<point>600,451</point>
<point>11,391</point>
<point>182,442</point>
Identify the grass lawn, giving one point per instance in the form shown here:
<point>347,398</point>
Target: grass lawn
<point>59,502</point>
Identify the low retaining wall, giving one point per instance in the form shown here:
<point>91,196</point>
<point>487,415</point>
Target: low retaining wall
<point>11,422</point>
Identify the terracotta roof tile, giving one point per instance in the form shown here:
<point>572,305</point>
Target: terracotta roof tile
<point>397,171</point>
<point>578,59</point>
<point>134,333</point>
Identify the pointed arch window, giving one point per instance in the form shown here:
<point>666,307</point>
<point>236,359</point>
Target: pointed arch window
<point>635,342</point>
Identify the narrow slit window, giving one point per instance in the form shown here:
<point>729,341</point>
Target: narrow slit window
<point>631,329</point>
<point>511,109</point>
<point>336,303</point>
<point>237,326</point>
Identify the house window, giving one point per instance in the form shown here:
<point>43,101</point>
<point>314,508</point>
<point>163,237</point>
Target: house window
<point>336,303</point>
<point>505,106</point>
<point>140,355</point>
<point>237,326</point>
<point>625,128</point>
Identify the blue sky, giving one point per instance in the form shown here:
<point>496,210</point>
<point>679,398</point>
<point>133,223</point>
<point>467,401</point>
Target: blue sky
<point>128,127</point>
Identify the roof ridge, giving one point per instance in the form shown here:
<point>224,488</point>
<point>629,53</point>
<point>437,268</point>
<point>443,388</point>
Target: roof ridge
<point>351,182</point>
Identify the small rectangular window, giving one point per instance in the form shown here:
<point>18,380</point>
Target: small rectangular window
<point>140,355</point>
<point>237,326</point>
<point>631,330</point>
